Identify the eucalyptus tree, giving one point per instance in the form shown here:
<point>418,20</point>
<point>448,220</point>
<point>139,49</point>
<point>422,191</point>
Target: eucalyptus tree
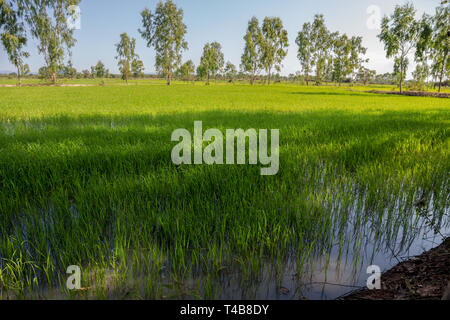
<point>330,41</point>
<point>48,24</point>
<point>342,51</point>
<point>434,43</point>
<point>251,60</point>
<point>423,51</point>
<point>355,61</point>
<point>420,75</point>
<point>98,70</point>
<point>399,33</point>
<point>186,70</point>
<point>69,70</point>
<point>440,44</point>
<point>165,31</point>
<point>13,36</point>
<point>320,45</point>
<point>230,71</point>
<point>125,55</point>
<point>365,75</point>
<point>305,50</point>
<point>137,68</point>
<point>274,44</point>
<point>211,61</point>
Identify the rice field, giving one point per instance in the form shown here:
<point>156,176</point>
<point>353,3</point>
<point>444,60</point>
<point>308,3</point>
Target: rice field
<point>86,179</point>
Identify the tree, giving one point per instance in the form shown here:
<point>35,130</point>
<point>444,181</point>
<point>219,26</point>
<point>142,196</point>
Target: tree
<point>126,54</point>
<point>43,73</point>
<point>320,44</point>
<point>201,72</point>
<point>434,43</point>
<point>230,71</point>
<point>420,75</point>
<point>99,70</point>
<point>440,44</point>
<point>165,31</point>
<point>86,74</point>
<point>342,51</point>
<point>355,61</point>
<point>137,68</point>
<point>93,73</point>
<point>186,70</point>
<point>69,71</point>
<point>365,75</point>
<point>252,57</point>
<point>329,59</point>
<point>399,33</point>
<point>13,37</point>
<point>274,44</point>
<point>211,61</point>
<point>305,50</point>
<point>48,24</point>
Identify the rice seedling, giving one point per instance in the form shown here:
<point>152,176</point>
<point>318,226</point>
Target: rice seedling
<point>86,179</point>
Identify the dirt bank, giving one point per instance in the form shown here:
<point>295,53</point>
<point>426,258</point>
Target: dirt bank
<point>414,93</point>
<point>421,278</point>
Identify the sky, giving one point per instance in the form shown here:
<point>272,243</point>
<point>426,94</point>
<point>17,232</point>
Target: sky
<point>225,21</point>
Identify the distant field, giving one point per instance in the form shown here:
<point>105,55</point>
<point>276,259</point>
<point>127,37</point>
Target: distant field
<point>119,82</point>
<point>86,179</point>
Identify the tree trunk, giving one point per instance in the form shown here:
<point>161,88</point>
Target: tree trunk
<point>440,78</point>
<point>18,77</point>
<point>401,76</point>
<point>207,80</point>
<point>53,78</point>
<point>168,77</point>
<point>268,79</point>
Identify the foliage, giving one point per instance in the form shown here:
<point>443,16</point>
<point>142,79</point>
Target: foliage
<point>230,71</point>
<point>251,60</point>
<point>165,31</point>
<point>125,55</point>
<point>186,70</point>
<point>273,45</point>
<point>211,61</point>
<point>13,36</point>
<point>400,33</point>
<point>47,20</point>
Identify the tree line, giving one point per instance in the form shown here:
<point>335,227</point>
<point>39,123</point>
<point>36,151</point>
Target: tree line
<point>324,56</point>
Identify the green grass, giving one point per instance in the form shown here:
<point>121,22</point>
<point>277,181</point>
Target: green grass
<point>86,179</point>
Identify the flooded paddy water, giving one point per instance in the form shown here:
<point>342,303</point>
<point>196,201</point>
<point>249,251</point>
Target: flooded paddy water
<point>320,270</point>
<point>140,227</point>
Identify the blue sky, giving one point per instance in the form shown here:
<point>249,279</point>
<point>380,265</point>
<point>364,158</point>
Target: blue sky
<point>225,21</point>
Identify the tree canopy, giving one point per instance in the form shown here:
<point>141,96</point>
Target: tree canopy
<point>274,44</point>
<point>165,31</point>
<point>399,33</point>
<point>211,61</point>
<point>126,54</point>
